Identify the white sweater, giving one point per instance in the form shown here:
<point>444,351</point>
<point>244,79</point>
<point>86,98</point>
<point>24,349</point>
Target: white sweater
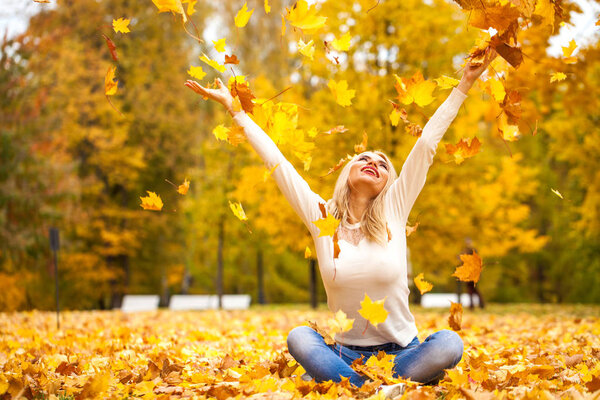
<point>368,267</point>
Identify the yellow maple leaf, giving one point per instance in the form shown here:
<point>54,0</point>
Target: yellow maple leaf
<point>307,49</point>
<point>110,84</point>
<point>415,90</point>
<point>304,17</point>
<point>327,226</point>
<point>374,312</point>
<point>446,82</point>
<point>213,63</point>
<point>190,7</point>
<point>238,211</point>
<point>196,72</point>
<point>267,7</point>
<point>184,187</point>
<point>121,25</point>
<point>395,116</point>
<point>219,45</point>
<point>471,268</point>
<point>242,17</point>
<point>307,252</point>
<point>220,132</point>
<point>174,6</point>
<point>496,89</point>
<point>509,132</point>
<point>422,284</point>
<point>463,149</point>
<point>545,9</point>
<point>568,53</point>
<point>557,77</point>
<point>342,43</point>
<point>268,173</point>
<point>556,192</point>
<point>341,323</point>
<point>340,91</point>
<point>151,202</point>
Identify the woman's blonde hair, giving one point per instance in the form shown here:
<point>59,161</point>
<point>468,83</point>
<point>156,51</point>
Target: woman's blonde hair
<point>373,223</point>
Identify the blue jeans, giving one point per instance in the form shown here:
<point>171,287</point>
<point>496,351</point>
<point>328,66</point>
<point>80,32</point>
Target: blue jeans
<point>421,362</point>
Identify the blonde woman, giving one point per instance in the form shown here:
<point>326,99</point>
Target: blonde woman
<point>373,205</point>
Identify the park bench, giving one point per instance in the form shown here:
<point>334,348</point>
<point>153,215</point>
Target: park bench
<point>431,300</point>
<point>136,302</point>
<point>209,302</point>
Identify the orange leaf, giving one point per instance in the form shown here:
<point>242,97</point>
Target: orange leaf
<point>151,202</point>
<point>242,91</point>
<point>110,84</point>
<point>455,318</point>
<point>463,149</point>
<point>411,229</point>
<point>111,47</point>
<point>362,146</point>
<point>471,268</point>
<point>184,187</point>
<point>337,129</point>
<point>422,284</point>
<point>415,90</point>
<point>232,59</point>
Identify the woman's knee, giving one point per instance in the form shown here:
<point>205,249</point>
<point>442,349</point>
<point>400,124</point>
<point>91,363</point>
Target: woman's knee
<point>301,338</point>
<point>450,347</point>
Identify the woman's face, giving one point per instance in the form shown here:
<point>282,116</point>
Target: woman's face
<point>368,174</point>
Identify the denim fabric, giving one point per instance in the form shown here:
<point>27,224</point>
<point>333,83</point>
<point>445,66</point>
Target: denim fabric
<point>422,362</point>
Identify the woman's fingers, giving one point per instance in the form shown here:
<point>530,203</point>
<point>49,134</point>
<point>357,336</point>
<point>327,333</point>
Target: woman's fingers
<point>196,87</point>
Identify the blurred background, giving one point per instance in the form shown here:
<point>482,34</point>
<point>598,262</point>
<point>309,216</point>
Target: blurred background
<point>70,161</point>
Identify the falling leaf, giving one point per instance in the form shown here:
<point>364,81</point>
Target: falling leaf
<point>111,47</point>
<point>556,192</point>
<point>463,149</point>
<point>415,90</point>
<point>509,132</point>
<point>184,187</point>
<point>339,164</point>
<point>306,49</point>
<point>267,7</point>
<point>219,45</point>
<point>242,17</point>
<point>512,106</point>
<point>341,323</point>
<point>512,54</point>
<point>422,284</point>
<point>110,84</point>
<point>243,93</point>
<point>307,252</point>
<point>411,229</point>
<point>238,211</point>
<point>220,132</point>
<point>121,25</point>
<point>304,17</point>
<point>174,6</point>
<point>343,43</point>
<point>568,53</point>
<point>496,89</point>
<point>235,135</point>
<point>340,91</point>
<point>190,7</point>
<point>327,226</point>
<point>269,172</point>
<point>374,312</point>
<point>328,339</point>
<point>336,246</point>
<point>446,82</point>
<point>196,72</point>
<point>471,268</point>
<point>362,146</point>
<point>455,318</point>
<point>213,63</point>
<point>557,77</point>
<point>231,59</point>
<point>336,129</point>
<point>151,202</point>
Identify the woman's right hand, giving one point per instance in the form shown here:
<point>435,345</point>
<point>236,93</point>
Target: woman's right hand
<point>221,94</point>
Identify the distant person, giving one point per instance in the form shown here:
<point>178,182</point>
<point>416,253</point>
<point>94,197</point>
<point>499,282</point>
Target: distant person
<point>471,288</point>
<point>373,205</point>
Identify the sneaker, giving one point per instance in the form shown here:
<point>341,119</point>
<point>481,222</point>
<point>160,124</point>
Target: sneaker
<point>392,391</point>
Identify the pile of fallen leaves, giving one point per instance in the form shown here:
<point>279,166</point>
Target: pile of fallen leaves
<point>527,351</point>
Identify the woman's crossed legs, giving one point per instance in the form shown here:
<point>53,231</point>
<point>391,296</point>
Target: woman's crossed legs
<point>421,362</point>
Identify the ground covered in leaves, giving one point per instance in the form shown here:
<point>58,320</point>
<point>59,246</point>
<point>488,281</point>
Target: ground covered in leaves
<point>526,351</point>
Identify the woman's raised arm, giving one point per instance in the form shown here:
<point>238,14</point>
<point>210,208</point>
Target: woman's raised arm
<point>404,191</point>
<point>295,189</point>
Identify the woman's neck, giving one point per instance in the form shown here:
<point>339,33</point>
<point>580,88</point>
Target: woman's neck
<point>357,207</point>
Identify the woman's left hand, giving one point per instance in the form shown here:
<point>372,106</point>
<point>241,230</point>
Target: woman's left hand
<point>472,72</point>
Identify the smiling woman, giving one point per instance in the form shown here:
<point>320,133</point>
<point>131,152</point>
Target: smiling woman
<point>373,205</point>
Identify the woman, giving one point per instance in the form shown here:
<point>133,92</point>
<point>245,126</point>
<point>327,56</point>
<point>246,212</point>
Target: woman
<point>373,206</point>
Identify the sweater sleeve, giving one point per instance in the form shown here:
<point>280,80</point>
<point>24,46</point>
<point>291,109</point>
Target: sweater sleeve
<point>404,191</point>
<point>294,188</point>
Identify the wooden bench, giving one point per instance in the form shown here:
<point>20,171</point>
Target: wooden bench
<point>137,302</point>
